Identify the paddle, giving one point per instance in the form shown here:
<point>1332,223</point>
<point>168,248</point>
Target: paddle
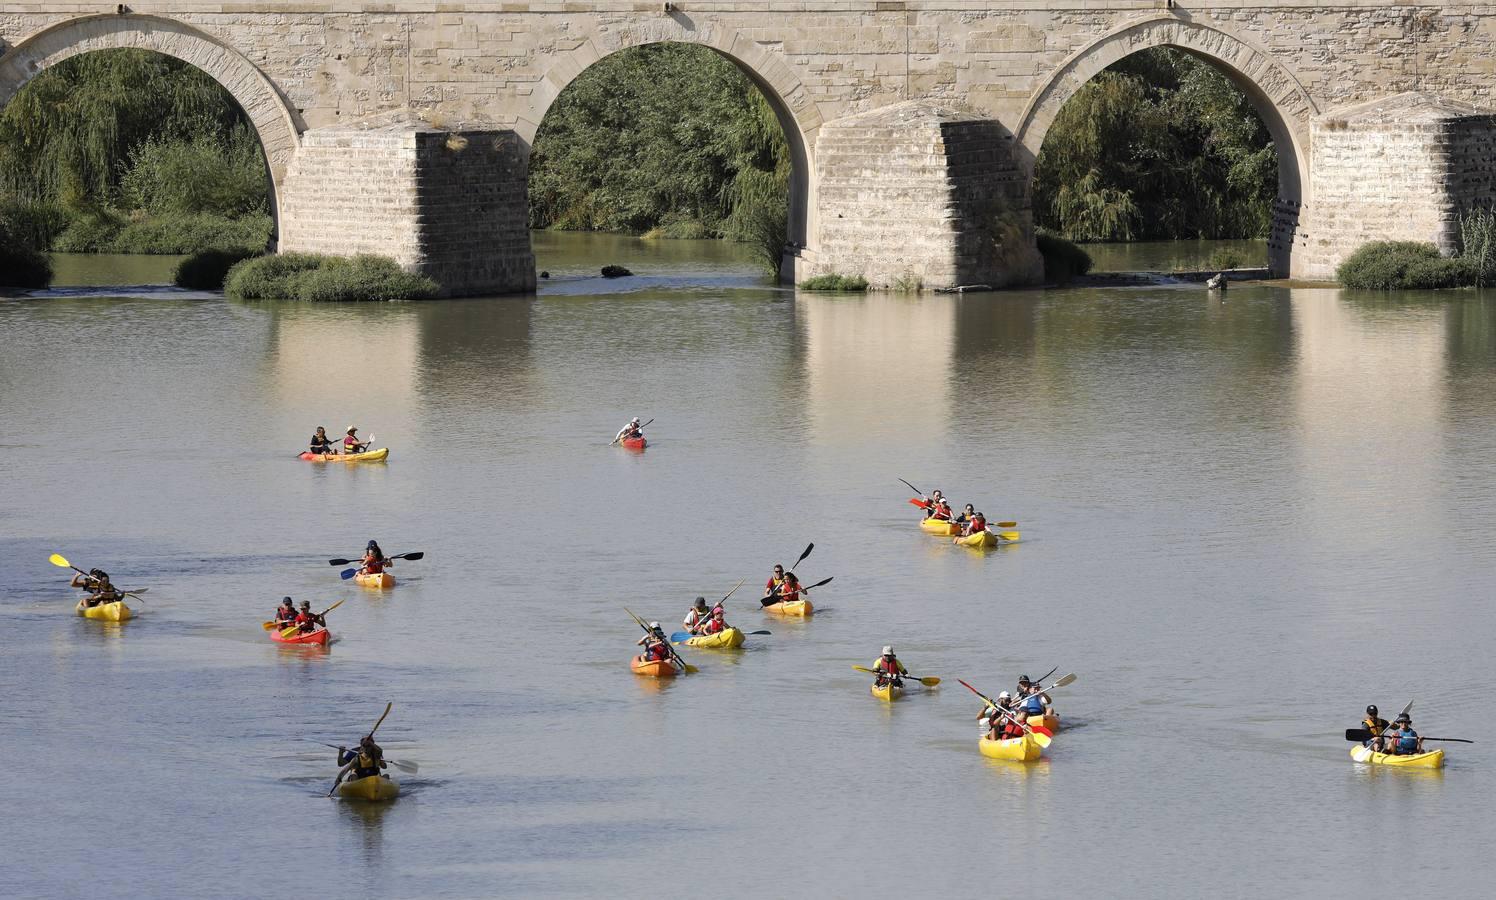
<point>410,556</point>
<point>403,765</point>
<point>913,488</point>
<point>344,771</point>
<point>620,434</point>
<point>1364,734</point>
<point>808,547</point>
<point>685,666</point>
<point>1042,736</point>
<point>287,632</point>
<point>930,681</point>
<point>772,598</point>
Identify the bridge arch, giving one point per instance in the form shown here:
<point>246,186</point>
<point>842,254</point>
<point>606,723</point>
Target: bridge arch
<point>1277,95</point>
<point>796,110</point>
<point>268,111</point>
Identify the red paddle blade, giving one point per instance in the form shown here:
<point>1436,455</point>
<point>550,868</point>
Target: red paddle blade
<point>1040,729</point>
<point>922,504</point>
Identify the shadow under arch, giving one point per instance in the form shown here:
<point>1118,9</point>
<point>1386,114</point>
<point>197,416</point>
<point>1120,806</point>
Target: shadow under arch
<point>268,111</point>
<point>799,117</point>
<point>1274,92</point>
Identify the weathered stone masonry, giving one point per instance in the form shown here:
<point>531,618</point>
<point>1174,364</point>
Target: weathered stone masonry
<point>405,130</point>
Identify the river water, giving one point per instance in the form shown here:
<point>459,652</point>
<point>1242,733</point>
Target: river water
<point>1243,520</point>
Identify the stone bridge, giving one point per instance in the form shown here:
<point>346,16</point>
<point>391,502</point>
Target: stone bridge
<point>404,127</point>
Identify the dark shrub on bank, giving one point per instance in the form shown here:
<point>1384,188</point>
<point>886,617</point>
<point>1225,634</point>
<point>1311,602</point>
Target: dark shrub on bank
<point>1063,260</point>
<point>834,282</point>
<point>206,270</point>
<point>21,265</point>
<point>1403,265</point>
<point>305,276</point>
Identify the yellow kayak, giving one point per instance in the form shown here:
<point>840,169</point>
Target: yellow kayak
<point>366,456</point>
<point>941,527</point>
<point>793,608</point>
<point>1023,749</point>
<point>375,787</point>
<point>381,580</point>
<point>727,639</point>
<point>1433,759</point>
<point>1051,721</point>
<point>888,692</point>
<point>980,540</point>
<point>108,612</point>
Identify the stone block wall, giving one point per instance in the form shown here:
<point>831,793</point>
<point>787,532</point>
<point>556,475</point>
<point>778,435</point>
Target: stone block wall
<point>450,205</point>
<point>1399,169</point>
<point>919,193</point>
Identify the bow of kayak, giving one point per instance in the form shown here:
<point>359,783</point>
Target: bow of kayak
<point>105,612</point>
<point>1433,759</point>
<point>373,788</point>
<point>889,691</point>
<point>1022,749</point>
<point>366,456</point>
<point>321,636</point>
<point>979,541</point>
<point>727,639</point>
<point>374,580</point>
<point>941,527</point>
<point>1051,721</point>
<point>793,608</point>
<point>637,443</point>
<point>662,668</point>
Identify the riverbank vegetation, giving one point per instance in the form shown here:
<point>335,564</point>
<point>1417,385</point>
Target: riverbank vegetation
<point>665,140</point>
<point>851,284</point>
<point>129,151</point>
<point>1158,146</point>
<point>310,276</point>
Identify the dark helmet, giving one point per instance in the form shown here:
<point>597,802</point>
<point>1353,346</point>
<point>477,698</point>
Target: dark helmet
<point>1371,710</point>
<point>701,601</point>
<point>99,573</point>
<point>1405,719</point>
<point>306,604</point>
<point>1024,679</point>
<point>287,601</point>
<point>371,545</point>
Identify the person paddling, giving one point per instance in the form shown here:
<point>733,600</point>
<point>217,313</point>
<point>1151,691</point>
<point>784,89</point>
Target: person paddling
<point>285,614</point>
<point>308,621</point>
<point>789,588</point>
<point>888,669</point>
<point>656,648</point>
<point>631,430</point>
<point>966,513</point>
<point>975,524</point>
<point>696,616</point>
<point>716,623</point>
<point>937,507</point>
<point>1377,726</point>
<point>1405,741</point>
<point>1032,701</point>
<point>366,760</point>
<point>775,582</point>
<point>351,443</point>
<point>96,581</point>
<point>1002,725</point>
<point>321,443</point>
<point>374,561</point>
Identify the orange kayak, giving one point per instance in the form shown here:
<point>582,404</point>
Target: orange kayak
<point>320,636</point>
<point>638,443</point>
<point>663,668</point>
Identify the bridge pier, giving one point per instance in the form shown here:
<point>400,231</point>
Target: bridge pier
<point>448,204</point>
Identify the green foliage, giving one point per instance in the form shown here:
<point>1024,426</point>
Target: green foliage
<point>1426,274</point>
<point>1063,260</point>
<point>93,230</point>
<point>206,173</point>
<point>834,282</point>
<point>206,269</point>
<point>1398,265</point>
<point>1223,258</point>
<point>305,276</point>
<point>21,264</point>
<point>33,225</point>
<point>109,231</point>
<point>1478,244</point>
<point>665,136</point>
<point>1161,145</point>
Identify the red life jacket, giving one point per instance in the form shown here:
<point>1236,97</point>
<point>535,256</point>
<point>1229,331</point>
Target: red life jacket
<point>350,442</point>
<point>885,666</point>
<point>373,566</point>
<point>657,653</point>
<point>713,626</point>
<point>788,594</point>
<point>978,524</point>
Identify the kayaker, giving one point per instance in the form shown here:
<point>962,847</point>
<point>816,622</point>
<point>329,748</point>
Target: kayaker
<point>285,614</point>
<point>966,513</point>
<point>307,620</point>
<point>975,524</point>
<point>889,669</point>
<point>696,616</point>
<point>97,581</point>
<point>373,562</point>
<point>937,507</point>
<point>789,588</point>
<point>631,430</point>
<point>1002,725</point>
<point>351,443</point>
<point>321,443</point>
<point>367,760</point>
<point>1405,741</point>
<point>1031,700</point>
<point>774,583</point>
<point>717,623</point>
<point>1377,726</point>
<point>656,649</point>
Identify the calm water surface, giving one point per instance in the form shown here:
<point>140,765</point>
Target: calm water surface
<point>1243,521</point>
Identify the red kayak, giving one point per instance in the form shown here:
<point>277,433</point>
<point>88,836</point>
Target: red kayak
<point>638,443</point>
<point>320,636</point>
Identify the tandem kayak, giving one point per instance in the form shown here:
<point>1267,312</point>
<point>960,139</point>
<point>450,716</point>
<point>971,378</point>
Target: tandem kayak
<point>374,580</point>
<point>372,788</point>
<point>637,443</point>
<point>1051,721</point>
<point>889,691</point>
<point>320,636</point>
<point>727,639</point>
<point>980,540</point>
<point>1433,759</point>
<point>1023,749</point>
<point>941,527</point>
<point>107,612</point>
<point>792,608</point>
<point>663,668</point>
<point>366,456</point>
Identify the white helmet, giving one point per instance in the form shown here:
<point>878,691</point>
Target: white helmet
<point>1004,696</point>
<point>654,624</point>
<point>634,420</point>
<point>888,651</point>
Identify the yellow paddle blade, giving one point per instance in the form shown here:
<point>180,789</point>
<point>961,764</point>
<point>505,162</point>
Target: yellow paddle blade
<point>287,632</point>
<point>1009,535</point>
<point>269,626</point>
<point>930,681</point>
<point>1007,524</point>
<point>57,559</point>
<point>690,669</point>
<point>1042,740</point>
<point>865,669</point>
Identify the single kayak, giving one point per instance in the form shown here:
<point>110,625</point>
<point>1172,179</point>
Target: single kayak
<point>637,443</point>
<point>107,612</point>
<point>889,691</point>
<point>941,527</point>
<point>1433,759</point>
<point>366,456</point>
<point>663,668</point>
<point>1051,721</point>
<point>1023,749</point>
<point>320,636</point>
<point>727,639</point>
<point>374,580</point>
<point>792,608</point>
<point>980,540</point>
<point>374,787</point>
